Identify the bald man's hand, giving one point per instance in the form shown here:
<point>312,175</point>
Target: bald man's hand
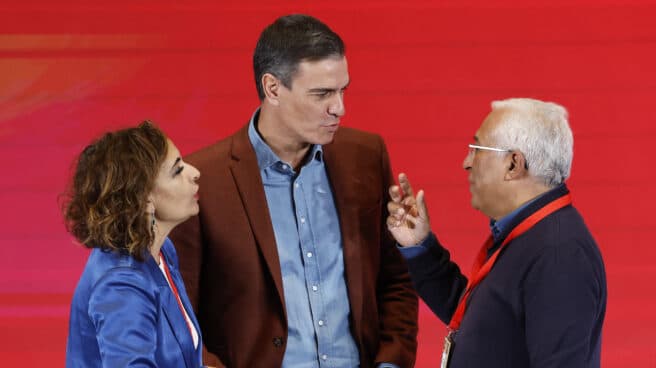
<point>408,217</point>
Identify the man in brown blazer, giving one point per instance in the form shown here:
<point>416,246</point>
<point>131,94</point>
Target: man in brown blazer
<point>289,263</point>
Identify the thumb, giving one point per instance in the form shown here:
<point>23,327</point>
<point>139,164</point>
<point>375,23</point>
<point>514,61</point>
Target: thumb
<point>421,206</point>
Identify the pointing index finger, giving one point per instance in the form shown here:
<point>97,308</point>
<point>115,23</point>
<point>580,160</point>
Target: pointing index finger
<point>405,185</point>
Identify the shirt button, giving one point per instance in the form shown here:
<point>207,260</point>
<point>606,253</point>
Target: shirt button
<point>320,322</point>
<point>295,185</point>
<point>324,357</point>
<point>315,288</point>
<point>309,254</point>
<point>277,342</point>
<point>302,220</point>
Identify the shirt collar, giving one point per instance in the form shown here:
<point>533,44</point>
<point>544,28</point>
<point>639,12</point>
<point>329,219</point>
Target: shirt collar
<point>265,155</point>
<point>500,227</point>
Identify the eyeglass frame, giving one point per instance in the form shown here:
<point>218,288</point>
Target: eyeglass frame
<point>474,147</point>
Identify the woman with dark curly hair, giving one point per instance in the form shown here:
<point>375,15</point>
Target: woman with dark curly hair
<point>130,307</point>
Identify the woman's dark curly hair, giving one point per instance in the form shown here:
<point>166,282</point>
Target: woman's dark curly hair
<point>106,204</point>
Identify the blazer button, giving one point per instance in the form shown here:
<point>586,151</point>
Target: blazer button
<point>277,342</point>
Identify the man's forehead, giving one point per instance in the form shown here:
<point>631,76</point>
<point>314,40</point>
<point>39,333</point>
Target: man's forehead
<point>490,123</point>
<point>336,68</point>
<point>334,57</point>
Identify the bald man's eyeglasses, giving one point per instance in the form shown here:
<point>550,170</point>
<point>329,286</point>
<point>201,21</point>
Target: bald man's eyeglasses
<point>473,148</point>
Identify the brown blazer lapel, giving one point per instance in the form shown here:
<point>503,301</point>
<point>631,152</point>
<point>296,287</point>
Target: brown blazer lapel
<point>246,174</point>
<point>340,176</point>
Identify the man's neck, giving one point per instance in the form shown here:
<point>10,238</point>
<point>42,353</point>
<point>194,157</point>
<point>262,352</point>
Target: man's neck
<point>521,193</point>
<point>528,192</point>
<point>290,150</point>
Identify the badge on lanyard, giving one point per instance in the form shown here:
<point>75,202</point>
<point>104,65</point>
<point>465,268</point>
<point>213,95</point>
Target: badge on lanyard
<point>446,351</point>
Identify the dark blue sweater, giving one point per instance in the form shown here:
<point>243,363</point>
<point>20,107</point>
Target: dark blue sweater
<point>542,304</point>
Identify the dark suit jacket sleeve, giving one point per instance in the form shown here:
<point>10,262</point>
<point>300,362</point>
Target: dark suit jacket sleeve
<point>436,278</point>
<point>397,300</point>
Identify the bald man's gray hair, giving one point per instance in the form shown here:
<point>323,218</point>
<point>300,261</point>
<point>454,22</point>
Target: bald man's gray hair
<point>540,130</point>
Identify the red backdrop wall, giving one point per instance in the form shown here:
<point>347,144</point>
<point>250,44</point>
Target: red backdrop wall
<point>423,74</point>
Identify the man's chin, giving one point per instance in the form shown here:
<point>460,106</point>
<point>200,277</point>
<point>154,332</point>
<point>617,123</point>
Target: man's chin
<point>474,204</point>
<point>326,139</point>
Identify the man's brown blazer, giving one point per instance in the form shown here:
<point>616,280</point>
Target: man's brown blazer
<point>229,260</point>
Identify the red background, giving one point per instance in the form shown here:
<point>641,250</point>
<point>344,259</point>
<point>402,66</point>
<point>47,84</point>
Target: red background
<point>423,74</point>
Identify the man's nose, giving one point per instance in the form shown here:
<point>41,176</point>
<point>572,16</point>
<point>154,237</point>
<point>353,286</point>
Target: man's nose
<point>467,162</point>
<point>336,107</point>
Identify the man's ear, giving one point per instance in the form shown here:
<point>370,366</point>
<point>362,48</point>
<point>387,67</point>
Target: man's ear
<point>271,87</point>
<point>517,167</point>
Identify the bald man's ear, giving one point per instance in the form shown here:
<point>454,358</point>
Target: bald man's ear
<point>517,166</point>
<point>271,87</point>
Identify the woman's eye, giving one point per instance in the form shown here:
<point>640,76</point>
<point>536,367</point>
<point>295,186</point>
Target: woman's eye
<point>178,170</point>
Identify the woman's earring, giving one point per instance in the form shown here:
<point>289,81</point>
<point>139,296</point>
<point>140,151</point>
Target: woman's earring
<point>152,222</point>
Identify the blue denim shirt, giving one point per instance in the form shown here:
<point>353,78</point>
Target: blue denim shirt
<point>309,242</point>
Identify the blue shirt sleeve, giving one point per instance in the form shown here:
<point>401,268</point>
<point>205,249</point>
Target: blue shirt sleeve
<point>418,250</point>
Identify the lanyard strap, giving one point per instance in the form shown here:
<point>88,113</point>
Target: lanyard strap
<point>175,292</point>
<point>482,267</point>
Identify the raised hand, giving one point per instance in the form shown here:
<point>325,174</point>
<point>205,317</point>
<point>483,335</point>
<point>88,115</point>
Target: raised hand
<point>408,220</point>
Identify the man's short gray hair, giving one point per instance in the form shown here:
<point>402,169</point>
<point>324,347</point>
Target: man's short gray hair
<point>541,132</point>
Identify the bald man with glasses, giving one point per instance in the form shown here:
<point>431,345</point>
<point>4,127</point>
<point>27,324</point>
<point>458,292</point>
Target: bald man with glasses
<point>536,295</point>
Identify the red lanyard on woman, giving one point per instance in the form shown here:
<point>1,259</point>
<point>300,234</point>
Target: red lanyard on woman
<point>175,292</point>
<point>482,266</point>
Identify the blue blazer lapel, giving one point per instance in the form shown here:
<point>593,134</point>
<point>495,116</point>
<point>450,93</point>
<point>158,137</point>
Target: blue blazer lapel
<point>187,305</point>
<point>178,325</point>
<point>174,315</point>
<point>179,283</point>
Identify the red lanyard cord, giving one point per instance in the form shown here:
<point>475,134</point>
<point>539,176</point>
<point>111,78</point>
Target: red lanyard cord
<point>482,267</point>
<point>175,292</point>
